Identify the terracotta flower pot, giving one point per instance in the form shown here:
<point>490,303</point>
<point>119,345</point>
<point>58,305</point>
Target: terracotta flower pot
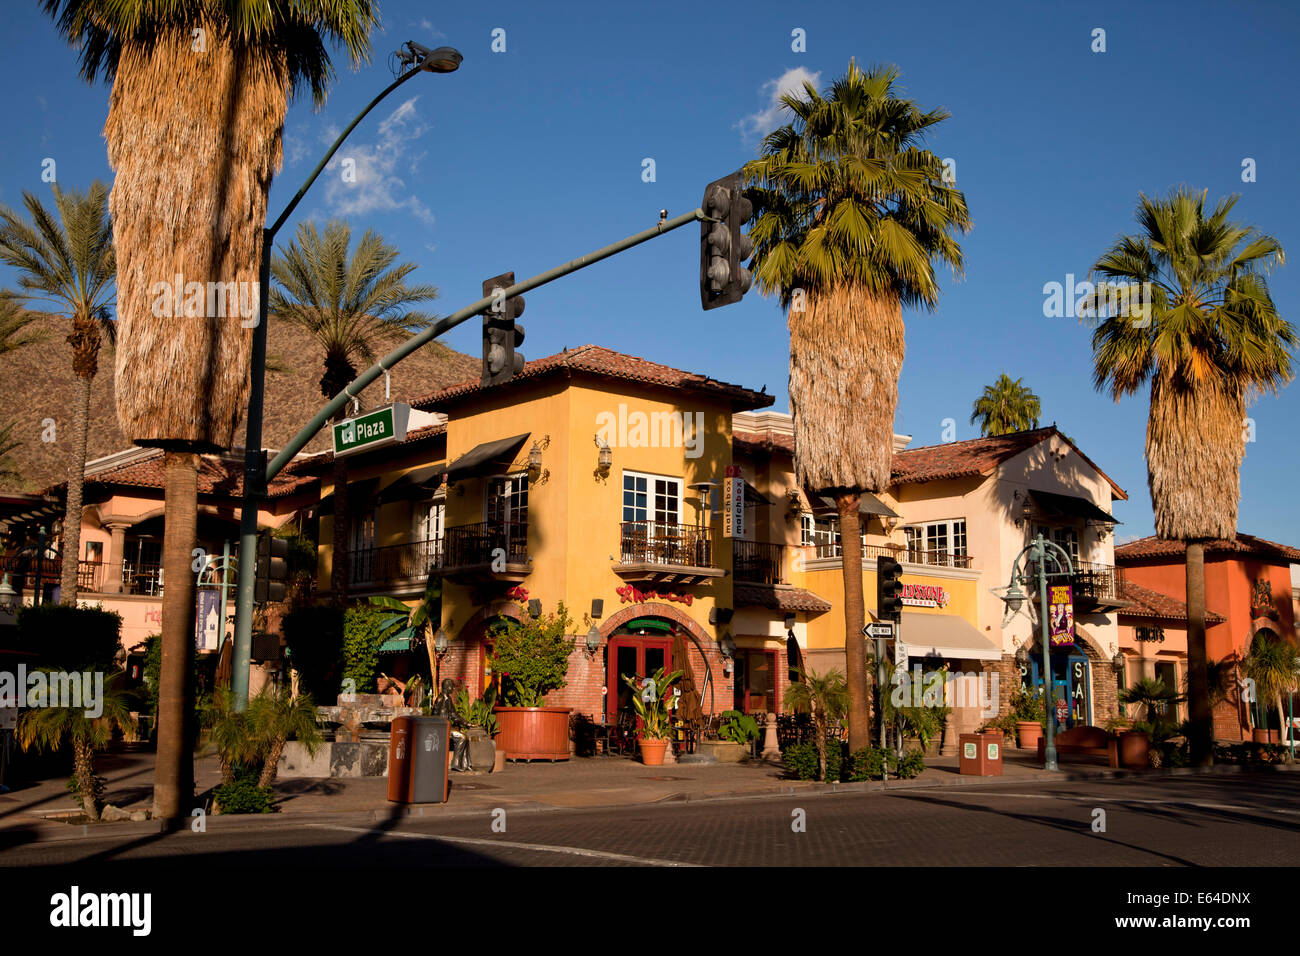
<point>1134,750</point>
<point>1030,732</point>
<point>652,752</point>
<point>533,733</point>
<point>1262,736</point>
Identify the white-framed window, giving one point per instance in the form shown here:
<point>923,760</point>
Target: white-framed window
<point>823,533</point>
<point>937,542</point>
<point>507,500</point>
<point>428,519</point>
<point>1066,538</point>
<point>806,525</point>
<point>653,498</point>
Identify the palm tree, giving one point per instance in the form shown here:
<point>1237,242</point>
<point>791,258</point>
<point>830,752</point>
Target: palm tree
<point>48,728</point>
<point>826,697</point>
<point>1152,694</point>
<point>69,260</point>
<point>1207,338</point>
<point>1272,664</point>
<point>1006,406</point>
<point>194,130</point>
<point>275,715</point>
<point>412,623</point>
<point>350,304</point>
<point>850,216</point>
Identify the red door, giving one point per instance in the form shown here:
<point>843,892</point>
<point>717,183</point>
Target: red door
<point>629,656</point>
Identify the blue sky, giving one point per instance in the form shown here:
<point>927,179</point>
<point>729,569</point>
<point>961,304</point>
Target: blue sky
<point>532,156</point>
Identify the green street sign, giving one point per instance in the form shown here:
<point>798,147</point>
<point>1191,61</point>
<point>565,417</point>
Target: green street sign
<point>374,429</point>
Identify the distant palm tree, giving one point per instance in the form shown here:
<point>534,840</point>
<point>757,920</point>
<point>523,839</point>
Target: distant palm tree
<point>351,304</point>
<point>1152,694</point>
<point>851,215</point>
<point>48,728</point>
<point>69,261</point>
<point>1207,337</point>
<point>826,698</point>
<point>1006,406</point>
<point>194,134</point>
<point>1272,664</point>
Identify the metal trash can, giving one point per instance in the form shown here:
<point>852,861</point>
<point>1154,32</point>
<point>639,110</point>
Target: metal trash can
<point>981,755</point>
<point>419,758</point>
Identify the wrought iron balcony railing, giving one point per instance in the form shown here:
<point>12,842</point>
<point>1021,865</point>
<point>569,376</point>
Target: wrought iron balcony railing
<point>660,542</point>
<point>395,564</point>
<point>470,545</point>
<point>758,562</point>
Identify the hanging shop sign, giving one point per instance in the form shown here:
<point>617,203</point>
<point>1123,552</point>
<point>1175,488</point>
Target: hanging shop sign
<point>630,595</point>
<point>924,595</point>
<point>1060,615</point>
<point>733,503</point>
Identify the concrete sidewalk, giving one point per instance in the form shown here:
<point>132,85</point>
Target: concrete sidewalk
<point>581,782</point>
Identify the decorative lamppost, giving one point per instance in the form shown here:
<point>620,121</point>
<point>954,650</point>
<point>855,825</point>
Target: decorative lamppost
<point>1040,552</point>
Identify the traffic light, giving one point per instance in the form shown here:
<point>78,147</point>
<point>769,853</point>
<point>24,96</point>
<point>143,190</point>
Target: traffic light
<point>272,569</point>
<point>889,590</point>
<point>723,247</point>
<point>501,334</point>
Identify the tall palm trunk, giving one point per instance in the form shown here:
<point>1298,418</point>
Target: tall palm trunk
<point>855,650</point>
<point>1201,740</point>
<point>83,770</point>
<point>271,765</point>
<point>174,767</point>
<point>71,544</point>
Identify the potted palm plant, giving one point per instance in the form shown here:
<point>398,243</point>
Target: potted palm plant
<point>653,718</point>
<point>480,727</point>
<point>1030,713</point>
<point>532,657</point>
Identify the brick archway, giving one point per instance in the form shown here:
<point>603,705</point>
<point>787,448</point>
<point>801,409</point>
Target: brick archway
<point>654,609</point>
<point>702,651</point>
<point>484,614</point>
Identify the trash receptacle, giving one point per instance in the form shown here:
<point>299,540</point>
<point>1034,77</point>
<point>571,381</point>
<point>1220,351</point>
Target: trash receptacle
<point>981,755</point>
<point>419,759</point>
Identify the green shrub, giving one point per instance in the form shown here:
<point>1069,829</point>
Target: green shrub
<point>314,638</point>
<point>68,638</point>
<point>911,765</point>
<point>869,763</point>
<point>244,795</point>
<point>532,657</point>
<point>737,727</point>
<point>801,760</point>
<point>362,630</point>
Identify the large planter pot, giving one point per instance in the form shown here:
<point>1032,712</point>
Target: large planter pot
<point>1134,750</point>
<point>723,751</point>
<point>652,752</point>
<point>1261,736</point>
<point>533,733</point>
<point>1029,732</point>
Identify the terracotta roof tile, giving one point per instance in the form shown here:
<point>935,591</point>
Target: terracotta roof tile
<point>779,599</point>
<point>1149,603</point>
<point>751,443</point>
<point>218,475</point>
<point>596,360</point>
<point>977,456</point>
<point>1153,547</point>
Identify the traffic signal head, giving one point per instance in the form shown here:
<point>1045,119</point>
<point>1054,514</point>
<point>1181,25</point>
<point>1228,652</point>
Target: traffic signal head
<point>889,589</point>
<point>272,569</point>
<point>724,248</point>
<point>501,334</point>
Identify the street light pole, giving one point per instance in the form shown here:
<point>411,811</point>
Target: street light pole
<point>442,60</point>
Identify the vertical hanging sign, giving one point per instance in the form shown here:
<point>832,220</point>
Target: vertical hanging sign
<point>733,504</point>
<point>1060,608</point>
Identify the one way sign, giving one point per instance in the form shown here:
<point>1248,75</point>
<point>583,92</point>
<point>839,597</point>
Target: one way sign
<point>878,629</point>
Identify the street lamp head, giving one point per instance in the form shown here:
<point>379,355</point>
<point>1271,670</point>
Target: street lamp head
<point>441,642</point>
<point>445,59</point>
<point>8,596</point>
<point>1014,598</point>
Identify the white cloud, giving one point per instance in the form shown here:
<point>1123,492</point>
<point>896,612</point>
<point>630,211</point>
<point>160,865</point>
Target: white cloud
<point>759,124</point>
<point>378,187</point>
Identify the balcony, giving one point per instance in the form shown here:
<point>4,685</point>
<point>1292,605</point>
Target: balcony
<point>400,564</point>
<point>663,553</point>
<point>486,551</point>
<point>1097,587</point>
<point>938,559</point>
<point>758,562</point>
<point>870,552</point>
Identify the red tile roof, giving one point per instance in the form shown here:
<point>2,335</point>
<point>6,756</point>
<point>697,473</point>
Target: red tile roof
<point>977,456</point>
<point>606,363</point>
<point>752,443</point>
<point>1154,547</point>
<point>218,475</point>
<point>1149,603</point>
<point>779,599</point>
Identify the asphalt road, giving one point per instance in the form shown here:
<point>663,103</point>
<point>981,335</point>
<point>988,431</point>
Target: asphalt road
<point>1236,820</point>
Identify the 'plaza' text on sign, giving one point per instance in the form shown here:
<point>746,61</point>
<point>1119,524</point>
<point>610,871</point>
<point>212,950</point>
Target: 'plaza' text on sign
<point>383,426</point>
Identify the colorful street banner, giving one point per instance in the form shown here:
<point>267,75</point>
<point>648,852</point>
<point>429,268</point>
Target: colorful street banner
<point>1060,611</point>
<point>207,629</point>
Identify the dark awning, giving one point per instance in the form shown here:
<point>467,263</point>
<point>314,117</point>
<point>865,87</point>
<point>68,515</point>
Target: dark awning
<point>417,483</point>
<point>755,497</point>
<point>1068,506</point>
<point>486,458</point>
<point>868,504</point>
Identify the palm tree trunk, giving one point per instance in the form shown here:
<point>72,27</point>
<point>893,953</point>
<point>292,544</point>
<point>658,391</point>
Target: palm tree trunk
<point>819,728</point>
<point>271,765</point>
<point>174,768</point>
<point>71,545</point>
<point>341,567</point>
<point>83,768</point>
<point>1201,740</point>
<point>855,654</point>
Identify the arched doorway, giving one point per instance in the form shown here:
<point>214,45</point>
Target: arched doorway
<point>638,647</point>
